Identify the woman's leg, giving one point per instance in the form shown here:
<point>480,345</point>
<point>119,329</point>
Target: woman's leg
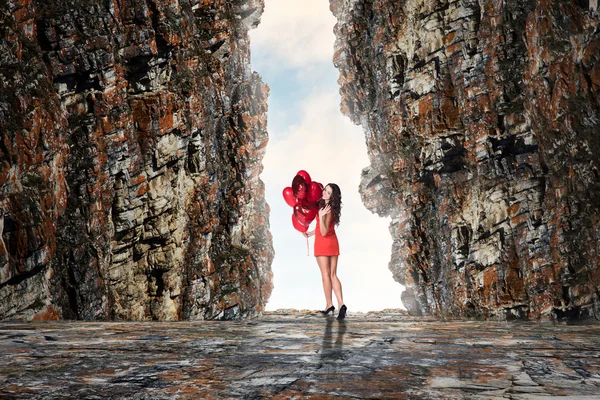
<point>335,282</point>
<point>323,262</point>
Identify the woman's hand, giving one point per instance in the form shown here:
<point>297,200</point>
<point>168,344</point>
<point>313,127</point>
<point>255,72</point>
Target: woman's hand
<point>308,234</point>
<point>325,210</point>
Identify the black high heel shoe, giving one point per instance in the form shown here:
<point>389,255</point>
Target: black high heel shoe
<point>342,313</point>
<point>330,309</point>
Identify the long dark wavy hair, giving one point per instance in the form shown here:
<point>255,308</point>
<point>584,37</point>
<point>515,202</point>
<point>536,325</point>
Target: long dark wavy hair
<point>335,201</point>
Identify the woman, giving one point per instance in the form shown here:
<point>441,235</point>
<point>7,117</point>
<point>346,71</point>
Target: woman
<point>327,248</point>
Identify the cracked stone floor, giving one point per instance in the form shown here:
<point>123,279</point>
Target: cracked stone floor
<point>301,355</point>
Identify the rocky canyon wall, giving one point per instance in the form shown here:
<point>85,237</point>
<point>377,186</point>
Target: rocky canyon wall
<point>482,121</point>
<point>131,139</point>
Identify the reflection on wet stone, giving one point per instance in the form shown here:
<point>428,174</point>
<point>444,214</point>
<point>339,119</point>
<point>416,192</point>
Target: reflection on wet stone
<point>332,350</point>
<point>303,356</point>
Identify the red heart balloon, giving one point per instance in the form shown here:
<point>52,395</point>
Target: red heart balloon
<point>297,225</point>
<point>315,191</point>
<point>288,196</point>
<point>312,213</point>
<point>305,215</point>
<point>305,175</point>
<point>299,187</point>
<point>307,205</point>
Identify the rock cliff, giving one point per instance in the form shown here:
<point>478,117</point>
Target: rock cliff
<point>482,121</point>
<point>131,140</point>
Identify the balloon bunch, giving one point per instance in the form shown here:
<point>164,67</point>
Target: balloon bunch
<point>303,196</point>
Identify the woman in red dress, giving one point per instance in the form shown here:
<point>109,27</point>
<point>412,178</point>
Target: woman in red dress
<point>327,248</point>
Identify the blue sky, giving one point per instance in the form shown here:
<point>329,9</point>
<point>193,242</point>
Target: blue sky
<point>292,50</point>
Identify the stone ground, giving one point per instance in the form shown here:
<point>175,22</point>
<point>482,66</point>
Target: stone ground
<point>300,355</point>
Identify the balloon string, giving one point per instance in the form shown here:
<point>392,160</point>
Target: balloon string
<point>307,252</point>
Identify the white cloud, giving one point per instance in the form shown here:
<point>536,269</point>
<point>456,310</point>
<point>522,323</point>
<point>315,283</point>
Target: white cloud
<point>294,33</point>
<point>324,142</point>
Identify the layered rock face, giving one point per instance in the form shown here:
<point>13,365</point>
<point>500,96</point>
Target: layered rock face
<point>482,122</point>
<point>132,135</point>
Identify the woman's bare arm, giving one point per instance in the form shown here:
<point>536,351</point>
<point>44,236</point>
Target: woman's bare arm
<point>325,215</point>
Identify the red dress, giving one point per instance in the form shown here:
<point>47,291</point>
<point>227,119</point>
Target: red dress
<point>326,245</point>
